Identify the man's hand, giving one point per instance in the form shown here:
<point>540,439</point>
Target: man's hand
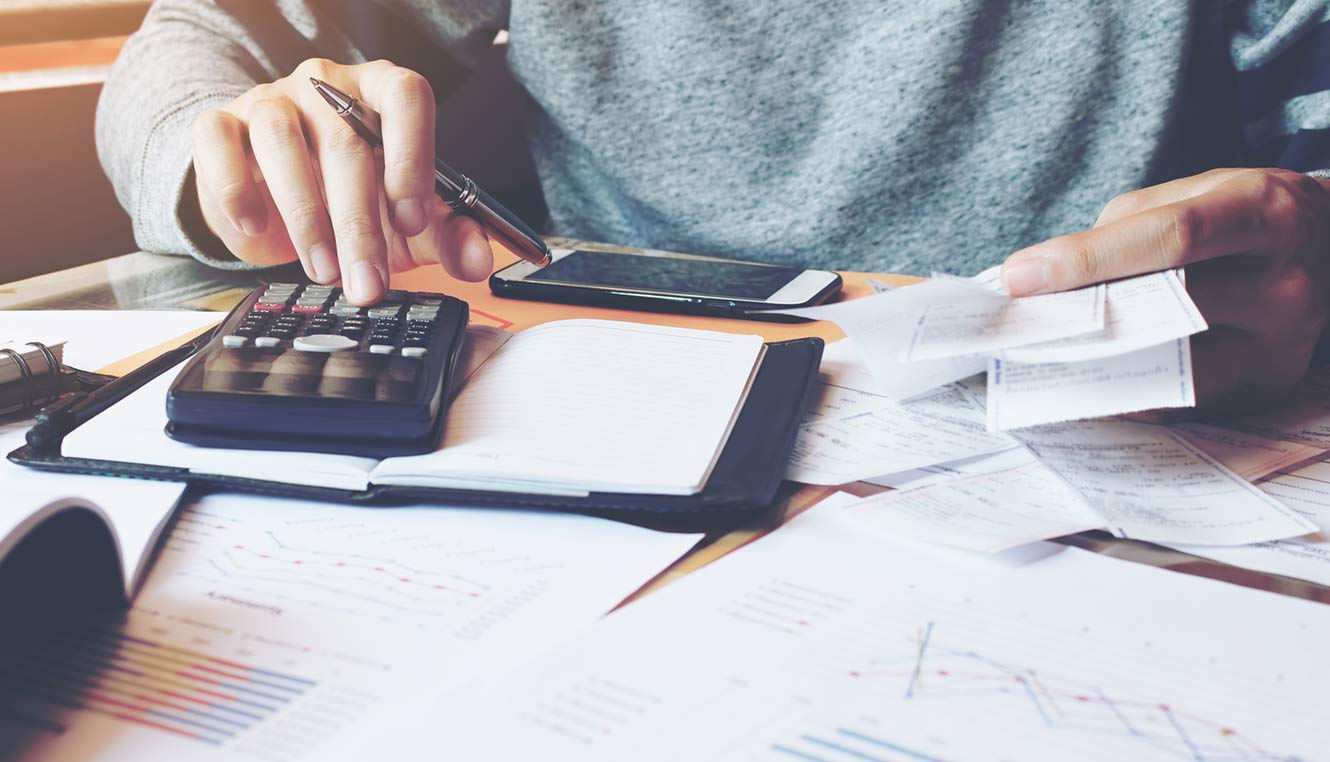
<point>280,176</point>
<point>1256,245</point>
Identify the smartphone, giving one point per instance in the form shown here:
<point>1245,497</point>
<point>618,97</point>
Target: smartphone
<point>664,282</point>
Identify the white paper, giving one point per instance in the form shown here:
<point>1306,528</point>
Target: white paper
<point>941,472</point>
<point>880,326</point>
<point>97,338</point>
<point>819,643</point>
<point>1141,312</point>
<point>847,440</point>
<point>317,623</point>
<point>960,328</point>
<point>1149,483</point>
<point>135,509</point>
<point>1025,394</point>
<point>1306,490</point>
<point>988,512</point>
<point>134,430</point>
<point>1250,456</point>
<point>591,405</point>
<point>1304,418</point>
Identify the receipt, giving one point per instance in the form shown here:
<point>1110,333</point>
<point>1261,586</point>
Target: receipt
<point>880,326</point>
<point>1026,394</point>
<point>1141,312</point>
<point>982,326</point>
<point>988,512</point>
<point>843,441</point>
<point>1306,490</point>
<point>941,472</point>
<point>1150,483</point>
<point>1250,456</point>
<point>1304,418</point>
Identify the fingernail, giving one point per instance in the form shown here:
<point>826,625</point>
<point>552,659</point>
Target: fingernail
<point>364,282</point>
<point>1024,277</point>
<point>323,262</point>
<point>409,214</point>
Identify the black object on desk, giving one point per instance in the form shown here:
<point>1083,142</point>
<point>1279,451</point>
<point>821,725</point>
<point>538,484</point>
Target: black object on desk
<point>298,367</point>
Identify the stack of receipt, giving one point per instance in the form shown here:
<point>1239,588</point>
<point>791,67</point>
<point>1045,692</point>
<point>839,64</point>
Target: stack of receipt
<point>1032,451</point>
<point>1097,351</point>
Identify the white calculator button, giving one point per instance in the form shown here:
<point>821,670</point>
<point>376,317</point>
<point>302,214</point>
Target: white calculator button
<point>413,352</point>
<point>234,342</point>
<point>267,341</point>
<point>381,349</point>
<point>324,342</point>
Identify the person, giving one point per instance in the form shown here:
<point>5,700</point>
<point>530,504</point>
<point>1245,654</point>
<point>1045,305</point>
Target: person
<point>1094,140</point>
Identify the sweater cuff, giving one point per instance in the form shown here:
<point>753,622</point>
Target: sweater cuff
<point>164,168</point>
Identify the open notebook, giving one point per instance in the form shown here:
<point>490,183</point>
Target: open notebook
<point>566,408</point>
<point>50,520</point>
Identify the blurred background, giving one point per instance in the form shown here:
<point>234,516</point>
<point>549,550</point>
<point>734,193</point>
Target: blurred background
<point>56,207</point>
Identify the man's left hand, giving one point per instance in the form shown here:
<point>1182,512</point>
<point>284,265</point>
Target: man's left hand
<point>1256,245</point>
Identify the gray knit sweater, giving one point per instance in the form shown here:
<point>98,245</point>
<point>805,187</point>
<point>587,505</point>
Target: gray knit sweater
<point>858,134</point>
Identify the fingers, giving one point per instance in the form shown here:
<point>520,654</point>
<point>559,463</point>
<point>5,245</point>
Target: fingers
<point>1247,212</point>
<point>405,104</point>
<point>222,167</point>
<point>1183,188</point>
<point>463,246</point>
<point>277,136</point>
<point>351,192</point>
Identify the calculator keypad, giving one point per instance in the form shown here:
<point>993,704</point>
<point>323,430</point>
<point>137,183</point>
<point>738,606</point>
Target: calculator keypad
<point>401,323</point>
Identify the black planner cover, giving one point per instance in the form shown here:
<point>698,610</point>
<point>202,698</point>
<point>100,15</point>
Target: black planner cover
<point>742,486</point>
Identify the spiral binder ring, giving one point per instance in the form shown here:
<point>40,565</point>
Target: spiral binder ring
<point>32,392</point>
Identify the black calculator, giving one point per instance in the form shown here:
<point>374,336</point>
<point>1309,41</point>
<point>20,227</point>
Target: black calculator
<point>298,367</point>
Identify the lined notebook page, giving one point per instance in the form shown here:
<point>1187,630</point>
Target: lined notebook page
<point>581,406</point>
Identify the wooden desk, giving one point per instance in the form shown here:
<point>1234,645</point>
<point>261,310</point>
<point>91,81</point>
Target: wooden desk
<point>147,281</point>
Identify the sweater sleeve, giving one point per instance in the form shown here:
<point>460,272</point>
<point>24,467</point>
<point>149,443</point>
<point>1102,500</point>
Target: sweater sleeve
<point>193,55</point>
<point>1281,54</point>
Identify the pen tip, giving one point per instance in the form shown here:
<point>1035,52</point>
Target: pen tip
<point>315,82</point>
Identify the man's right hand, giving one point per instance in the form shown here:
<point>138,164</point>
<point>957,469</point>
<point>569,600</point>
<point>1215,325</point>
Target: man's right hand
<point>280,176</point>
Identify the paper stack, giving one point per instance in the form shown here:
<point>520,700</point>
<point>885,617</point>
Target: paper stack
<point>1097,351</point>
<point>1253,491</point>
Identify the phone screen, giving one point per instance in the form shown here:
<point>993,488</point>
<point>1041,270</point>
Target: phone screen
<point>685,276</point>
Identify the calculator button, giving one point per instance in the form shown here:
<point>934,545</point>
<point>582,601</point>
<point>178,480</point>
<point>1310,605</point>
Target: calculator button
<point>345,311</point>
<point>324,342</point>
<point>307,309</point>
<point>267,341</point>
<point>426,301</point>
<point>395,297</point>
<point>381,349</point>
<point>414,351</point>
<point>383,312</point>
<point>270,307</point>
<point>234,342</point>
<point>284,285</point>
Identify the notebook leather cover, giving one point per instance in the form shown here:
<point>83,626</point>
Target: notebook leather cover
<point>742,488</point>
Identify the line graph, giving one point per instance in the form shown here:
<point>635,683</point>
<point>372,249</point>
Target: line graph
<point>936,673</point>
<point>394,574</point>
